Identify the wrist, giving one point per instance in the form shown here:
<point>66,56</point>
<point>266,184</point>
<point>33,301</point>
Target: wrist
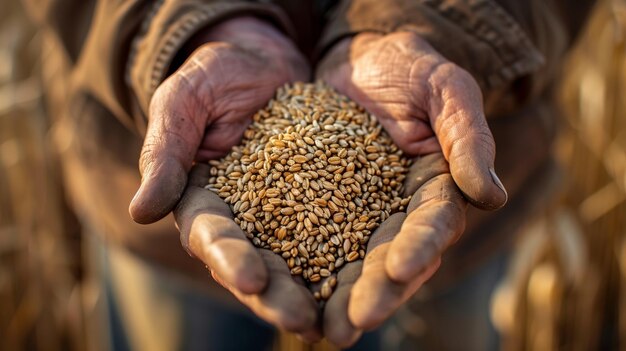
<point>252,34</point>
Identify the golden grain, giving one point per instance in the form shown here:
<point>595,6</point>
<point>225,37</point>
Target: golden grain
<point>326,291</point>
<point>313,177</point>
<point>352,256</point>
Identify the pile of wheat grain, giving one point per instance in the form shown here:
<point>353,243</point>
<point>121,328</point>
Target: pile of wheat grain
<point>313,177</point>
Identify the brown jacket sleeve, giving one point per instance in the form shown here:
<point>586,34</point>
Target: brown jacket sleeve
<point>100,62</point>
<point>119,51</point>
<point>496,41</point>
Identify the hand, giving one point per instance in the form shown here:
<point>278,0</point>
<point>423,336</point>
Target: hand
<point>259,278</point>
<point>203,108</point>
<point>425,102</point>
<point>402,254</point>
<point>197,114</point>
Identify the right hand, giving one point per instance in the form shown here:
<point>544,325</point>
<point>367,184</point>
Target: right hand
<point>203,108</point>
<point>259,278</point>
<point>198,114</point>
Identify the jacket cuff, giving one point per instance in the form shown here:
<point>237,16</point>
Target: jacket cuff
<point>169,26</point>
<point>477,35</point>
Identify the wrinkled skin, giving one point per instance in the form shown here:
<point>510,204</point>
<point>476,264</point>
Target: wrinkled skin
<point>425,102</point>
<point>202,109</point>
<point>259,278</point>
<point>402,254</point>
<point>408,243</point>
<point>431,108</point>
<point>198,114</point>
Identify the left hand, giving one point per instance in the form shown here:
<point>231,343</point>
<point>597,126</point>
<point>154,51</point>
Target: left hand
<point>425,102</point>
<point>432,109</point>
<point>402,254</point>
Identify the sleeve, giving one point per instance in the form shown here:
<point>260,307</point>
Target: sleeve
<point>496,41</point>
<point>119,51</point>
<point>169,25</point>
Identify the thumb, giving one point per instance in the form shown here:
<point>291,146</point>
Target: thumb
<point>457,117</point>
<point>169,148</point>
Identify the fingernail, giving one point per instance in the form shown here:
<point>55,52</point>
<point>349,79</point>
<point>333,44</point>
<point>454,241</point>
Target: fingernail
<point>497,181</point>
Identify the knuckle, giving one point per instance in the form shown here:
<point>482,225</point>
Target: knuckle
<point>475,135</point>
<point>448,76</point>
<point>146,157</point>
<point>442,74</point>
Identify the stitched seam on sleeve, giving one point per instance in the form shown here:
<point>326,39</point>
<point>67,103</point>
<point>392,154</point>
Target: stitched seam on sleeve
<point>515,61</point>
<point>143,30</point>
<point>517,54</point>
<point>185,26</point>
<point>484,32</point>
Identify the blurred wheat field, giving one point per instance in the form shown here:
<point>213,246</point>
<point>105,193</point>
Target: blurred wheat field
<point>593,99</point>
<point>40,298</point>
<point>566,289</point>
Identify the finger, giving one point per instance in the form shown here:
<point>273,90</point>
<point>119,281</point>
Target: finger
<point>337,326</point>
<point>457,117</point>
<point>369,310</point>
<point>209,233</point>
<point>284,303</point>
<point>169,148</point>
<point>276,314</point>
<point>423,169</point>
<point>375,297</point>
<point>436,218</point>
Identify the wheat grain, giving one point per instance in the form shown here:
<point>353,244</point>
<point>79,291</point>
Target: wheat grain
<point>312,179</point>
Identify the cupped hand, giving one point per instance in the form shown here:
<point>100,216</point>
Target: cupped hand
<point>198,114</point>
<point>203,108</point>
<point>259,278</point>
<point>402,254</point>
<point>426,103</point>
